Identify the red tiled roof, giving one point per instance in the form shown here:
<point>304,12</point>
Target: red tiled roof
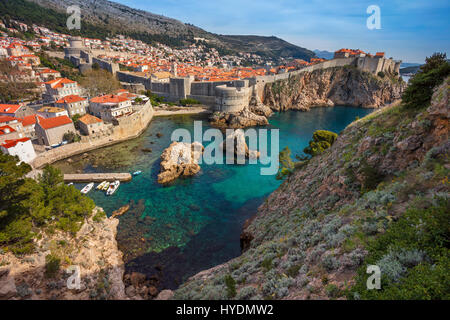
<point>71,99</point>
<point>3,130</point>
<point>54,122</point>
<point>9,108</point>
<point>12,143</point>
<point>110,98</point>
<point>89,119</point>
<point>29,120</point>
<point>4,119</point>
<point>58,83</point>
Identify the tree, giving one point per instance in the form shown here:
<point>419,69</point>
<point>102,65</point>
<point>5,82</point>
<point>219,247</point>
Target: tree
<point>28,206</point>
<point>286,164</point>
<point>99,82</point>
<point>421,86</point>
<point>321,141</point>
<point>434,62</point>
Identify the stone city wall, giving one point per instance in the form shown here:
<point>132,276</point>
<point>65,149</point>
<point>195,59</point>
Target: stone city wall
<point>129,127</point>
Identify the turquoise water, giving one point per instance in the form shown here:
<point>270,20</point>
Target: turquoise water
<point>175,231</point>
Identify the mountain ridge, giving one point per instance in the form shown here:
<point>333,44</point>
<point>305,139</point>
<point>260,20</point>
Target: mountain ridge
<point>119,18</point>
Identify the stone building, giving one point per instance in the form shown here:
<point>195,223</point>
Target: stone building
<point>51,131</point>
<point>60,88</point>
<point>15,110</point>
<point>73,104</point>
<point>110,107</point>
<point>51,112</point>
<point>90,125</point>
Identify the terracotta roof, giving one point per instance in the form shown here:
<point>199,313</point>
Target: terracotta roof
<point>4,129</point>
<point>70,99</point>
<point>58,83</point>
<point>89,119</point>
<point>29,120</point>
<point>54,122</point>
<point>9,108</point>
<point>110,98</point>
<point>4,119</point>
<point>12,143</point>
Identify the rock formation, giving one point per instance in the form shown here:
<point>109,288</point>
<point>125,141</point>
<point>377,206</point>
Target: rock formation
<point>334,86</point>
<point>94,249</point>
<point>180,159</point>
<point>239,146</point>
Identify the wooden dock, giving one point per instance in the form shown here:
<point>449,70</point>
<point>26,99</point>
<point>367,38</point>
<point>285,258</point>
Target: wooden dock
<point>97,177</point>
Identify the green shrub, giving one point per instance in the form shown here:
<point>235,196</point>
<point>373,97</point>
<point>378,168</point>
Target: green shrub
<point>321,141</point>
<point>381,74</point>
<point>332,291</point>
<point>52,265</point>
<point>188,102</point>
<point>371,176</point>
<point>286,164</point>
<point>27,206</point>
<point>231,286</point>
<point>414,256</point>
<point>421,86</point>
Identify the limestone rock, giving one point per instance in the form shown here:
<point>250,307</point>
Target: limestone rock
<point>180,159</point>
<point>249,117</point>
<point>329,87</point>
<point>165,295</point>
<point>236,142</point>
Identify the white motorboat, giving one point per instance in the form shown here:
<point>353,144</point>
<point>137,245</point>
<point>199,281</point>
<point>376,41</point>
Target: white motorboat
<point>87,188</point>
<point>113,188</point>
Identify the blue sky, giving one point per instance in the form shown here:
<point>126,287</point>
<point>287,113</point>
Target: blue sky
<point>410,30</point>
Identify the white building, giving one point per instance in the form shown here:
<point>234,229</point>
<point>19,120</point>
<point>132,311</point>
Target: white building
<point>23,148</point>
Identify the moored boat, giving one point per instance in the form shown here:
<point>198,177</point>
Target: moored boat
<point>106,186</point>
<point>101,186</point>
<point>113,188</point>
<point>87,188</point>
<point>137,173</point>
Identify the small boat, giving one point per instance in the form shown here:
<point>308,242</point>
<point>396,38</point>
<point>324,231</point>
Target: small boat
<point>101,186</point>
<point>106,187</point>
<point>137,173</point>
<point>113,188</point>
<point>70,184</point>
<point>87,188</point>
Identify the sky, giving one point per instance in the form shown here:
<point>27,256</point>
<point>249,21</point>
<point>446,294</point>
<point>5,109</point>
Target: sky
<point>410,30</point>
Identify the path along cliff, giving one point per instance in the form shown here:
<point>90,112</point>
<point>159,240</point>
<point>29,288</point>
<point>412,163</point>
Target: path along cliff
<point>378,196</point>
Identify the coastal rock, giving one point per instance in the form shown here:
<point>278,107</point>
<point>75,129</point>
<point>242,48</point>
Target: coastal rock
<point>180,159</point>
<point>165,295</point>
<point>238,146</point>
<point>333,86</point>
<point>121,211</point>
<point>93,249</point>
<point>236,120</point>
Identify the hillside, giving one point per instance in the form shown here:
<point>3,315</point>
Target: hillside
<point>378,196</point>
<point>101,18</point>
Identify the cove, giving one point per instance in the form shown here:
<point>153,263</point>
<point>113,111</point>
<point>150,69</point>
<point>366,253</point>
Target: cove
<point>172,232</point>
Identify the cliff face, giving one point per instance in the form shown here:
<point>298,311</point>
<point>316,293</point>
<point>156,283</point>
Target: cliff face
<point>333,86</point>
<point>94,249</point>
<point>309,238</point>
